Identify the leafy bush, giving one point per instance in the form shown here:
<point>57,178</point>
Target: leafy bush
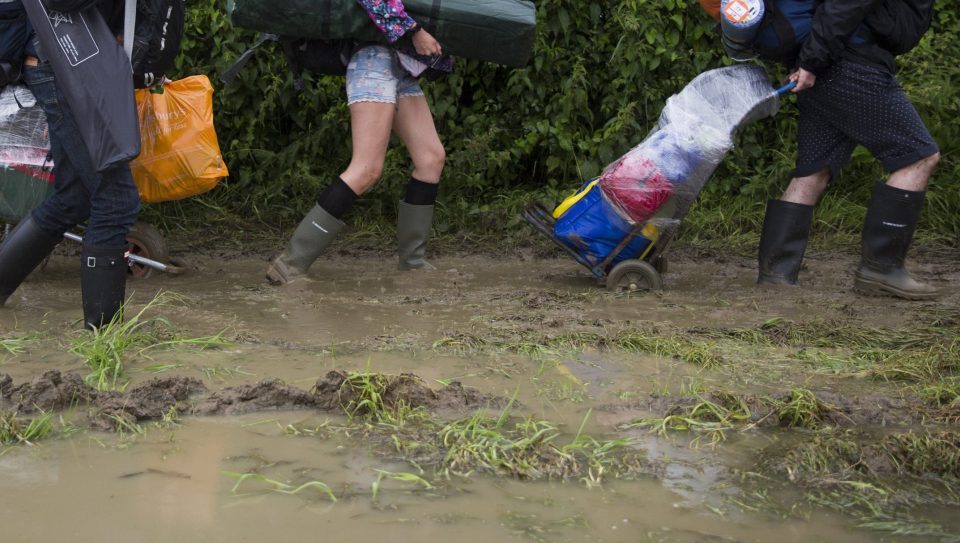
<point>600,73</point>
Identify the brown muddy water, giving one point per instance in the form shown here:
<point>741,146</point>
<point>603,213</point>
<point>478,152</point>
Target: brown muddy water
<point>483,322</point>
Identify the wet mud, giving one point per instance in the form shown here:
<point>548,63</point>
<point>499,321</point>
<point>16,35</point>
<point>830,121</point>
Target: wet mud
<point>51,391</point>
<point>715,410</point>
<point>155,398</point>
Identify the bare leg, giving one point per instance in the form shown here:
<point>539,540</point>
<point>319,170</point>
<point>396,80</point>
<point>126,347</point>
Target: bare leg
<point>807,190</point>
<point>914,177</point>
<point>414,124</point>
<point>370,124</point>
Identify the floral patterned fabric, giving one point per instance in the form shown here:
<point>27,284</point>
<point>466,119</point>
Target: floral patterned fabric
<point>390,17</point>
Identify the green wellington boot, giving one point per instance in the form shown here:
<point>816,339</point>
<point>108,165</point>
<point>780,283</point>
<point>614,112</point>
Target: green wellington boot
<point>316,231</point>
<point>413,230</point>
<point>887,232</point>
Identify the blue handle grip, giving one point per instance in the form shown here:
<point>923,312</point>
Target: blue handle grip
<point>786,88</point>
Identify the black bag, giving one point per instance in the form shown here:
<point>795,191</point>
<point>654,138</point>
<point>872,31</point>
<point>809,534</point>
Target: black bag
<point>93,75</point>
<point>14,32</point>
<point>324,57</point>
<point>785,27</point>
<point>159,31</point>
<point>899,25</point>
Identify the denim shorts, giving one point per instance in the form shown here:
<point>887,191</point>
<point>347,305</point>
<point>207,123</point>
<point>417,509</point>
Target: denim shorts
<point>374,75</point>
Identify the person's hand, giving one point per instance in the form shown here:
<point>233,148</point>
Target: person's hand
<point>426,44</point>
<point>803,79</point>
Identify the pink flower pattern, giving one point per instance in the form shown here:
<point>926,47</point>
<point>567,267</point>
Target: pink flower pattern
<point>390,17</point>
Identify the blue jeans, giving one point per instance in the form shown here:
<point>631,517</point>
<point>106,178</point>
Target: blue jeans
<point>109,202</point>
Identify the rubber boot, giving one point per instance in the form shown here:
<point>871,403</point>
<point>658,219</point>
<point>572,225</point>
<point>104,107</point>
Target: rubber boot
<point>413,230</point>
<point>786,227</point>
<point>887,233</point>
<point>103,281</point>
<point>315,232</point>
<point>21,252</point>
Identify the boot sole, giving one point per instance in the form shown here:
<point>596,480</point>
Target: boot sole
<point>869,287</point>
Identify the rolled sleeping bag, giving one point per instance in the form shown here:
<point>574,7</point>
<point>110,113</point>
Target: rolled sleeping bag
<point>740,22</point>
<point>498,31</point>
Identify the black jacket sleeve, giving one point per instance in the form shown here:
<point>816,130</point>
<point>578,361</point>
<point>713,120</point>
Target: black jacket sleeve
<point>834,23</point>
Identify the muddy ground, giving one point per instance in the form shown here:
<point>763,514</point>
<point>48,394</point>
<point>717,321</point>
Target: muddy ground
<point>758,413</point>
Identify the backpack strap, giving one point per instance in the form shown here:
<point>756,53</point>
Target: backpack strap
<point>231,73</point>
<point>434,16</point>
<point>129,26</point>
<point>292,49</point>
<point>781,26</point>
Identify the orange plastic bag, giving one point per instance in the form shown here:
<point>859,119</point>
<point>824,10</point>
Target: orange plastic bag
<point>712,7</point>
<point>179,155</point>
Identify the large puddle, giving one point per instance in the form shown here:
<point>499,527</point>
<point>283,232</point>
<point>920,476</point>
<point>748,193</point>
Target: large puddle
<point>508,329</point>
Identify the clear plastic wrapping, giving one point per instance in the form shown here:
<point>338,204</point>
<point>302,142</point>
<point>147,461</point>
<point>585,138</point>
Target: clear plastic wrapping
<point>659,179</point>
<point>25,168</point>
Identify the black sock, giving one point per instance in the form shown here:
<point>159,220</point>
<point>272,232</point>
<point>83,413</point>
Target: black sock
<point>337,198</point>
<point>420,193</point>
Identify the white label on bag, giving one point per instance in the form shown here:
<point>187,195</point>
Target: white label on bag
<point>73,35</point>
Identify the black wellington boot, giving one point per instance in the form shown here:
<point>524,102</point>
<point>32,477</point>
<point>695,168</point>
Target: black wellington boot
<point>786,227</point>
<point>103,281</point>
<point>887,233</point>
<point>22,251</point>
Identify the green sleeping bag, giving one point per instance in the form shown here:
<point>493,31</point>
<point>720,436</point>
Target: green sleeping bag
<point>498,31</point>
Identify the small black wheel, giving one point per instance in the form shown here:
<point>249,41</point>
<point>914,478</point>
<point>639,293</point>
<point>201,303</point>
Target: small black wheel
<point>145,240</point>
<point>633,275</point>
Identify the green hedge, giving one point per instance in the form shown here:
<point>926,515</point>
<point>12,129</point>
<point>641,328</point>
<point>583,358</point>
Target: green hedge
<point>600,74</point>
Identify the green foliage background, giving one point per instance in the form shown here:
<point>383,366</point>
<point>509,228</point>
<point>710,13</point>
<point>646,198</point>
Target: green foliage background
<point>600,73</point>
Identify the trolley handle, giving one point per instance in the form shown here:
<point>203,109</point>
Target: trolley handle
<point>786,88</point>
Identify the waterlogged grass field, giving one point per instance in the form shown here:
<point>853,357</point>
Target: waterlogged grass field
<point>507,400</point>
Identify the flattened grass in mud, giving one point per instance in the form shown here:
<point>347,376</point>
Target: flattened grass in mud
<point>104,350</point>
<point>893,482</point>
<point>920,354</point>
<point>14,430</point>
<point>392,415</point>
<point>886,457</point>
<point>645,340</point>
<point>15,345</point>
<point>486,442</point>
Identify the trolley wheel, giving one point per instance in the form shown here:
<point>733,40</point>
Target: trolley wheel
<point>660,264</point>
<point>633,275</point>
<point>145,240</point>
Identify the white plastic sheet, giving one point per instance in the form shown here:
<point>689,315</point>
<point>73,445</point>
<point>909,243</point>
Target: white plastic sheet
<point>660,178</point>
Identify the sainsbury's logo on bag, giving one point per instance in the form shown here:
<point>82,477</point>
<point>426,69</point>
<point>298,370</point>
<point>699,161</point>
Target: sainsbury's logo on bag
<point>170,115</point>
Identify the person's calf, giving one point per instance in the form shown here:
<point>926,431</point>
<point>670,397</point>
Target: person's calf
<point>915,176</point>
<point>806,190</point>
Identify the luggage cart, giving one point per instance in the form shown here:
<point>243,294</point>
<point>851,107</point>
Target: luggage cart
<point>26,180</point>
<point>644,272</point>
